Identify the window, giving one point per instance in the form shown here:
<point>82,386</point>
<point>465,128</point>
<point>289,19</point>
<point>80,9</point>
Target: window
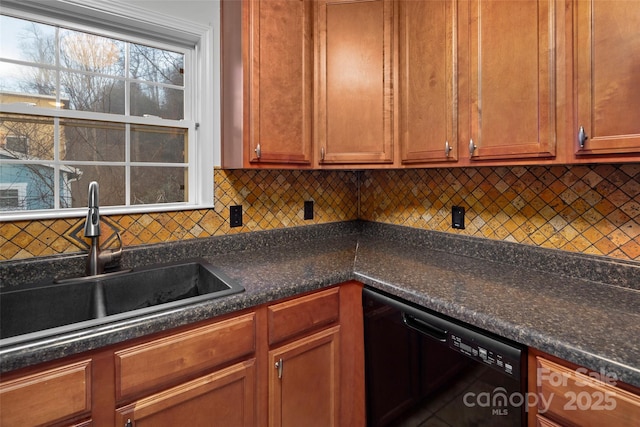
<point>16,143</point>
<point>82,103</point>
<point>13,198</point>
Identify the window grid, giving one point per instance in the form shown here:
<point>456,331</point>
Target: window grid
<point>127,119</point>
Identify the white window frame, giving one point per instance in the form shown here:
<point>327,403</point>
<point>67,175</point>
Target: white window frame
<point>120,20</point>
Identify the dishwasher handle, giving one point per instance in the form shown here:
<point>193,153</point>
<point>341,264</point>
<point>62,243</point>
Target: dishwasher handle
<point>424,327</point>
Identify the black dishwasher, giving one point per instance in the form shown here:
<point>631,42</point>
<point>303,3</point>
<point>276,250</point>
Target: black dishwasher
<point>423,369</point>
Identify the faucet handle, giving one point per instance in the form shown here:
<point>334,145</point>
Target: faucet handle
<point>112,255</point>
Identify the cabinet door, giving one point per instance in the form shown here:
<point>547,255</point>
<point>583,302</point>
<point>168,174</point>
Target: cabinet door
<point>355,100</point>
<point>280,81</point>
<point>427,78</point>
<point>304,381</point>
<point>512,80</point>
<point>607,70</point>
<point>223,398</point>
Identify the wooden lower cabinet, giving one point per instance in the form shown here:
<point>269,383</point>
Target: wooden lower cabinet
<point>542,421</point>
<point>157,364</point>
<point>55,396</point>
<point>569,395</point>
<point>222,398</point>
<point>316,359</point>
<point>304,381</point>
<point>219,372</point>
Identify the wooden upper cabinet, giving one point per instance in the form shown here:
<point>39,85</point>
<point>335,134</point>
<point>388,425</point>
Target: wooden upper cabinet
<point>267,73</point>
<point>607,77</point>
<point>427,78</point>
<point>354,89</point>
<point>511,58</point>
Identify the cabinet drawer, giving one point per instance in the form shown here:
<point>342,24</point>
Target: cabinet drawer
<point>47,397</point>
<point>575,398</point>
<point>303,315</point>
<point>165,361</point>
<point>221,398</point>
<point>545,422</point>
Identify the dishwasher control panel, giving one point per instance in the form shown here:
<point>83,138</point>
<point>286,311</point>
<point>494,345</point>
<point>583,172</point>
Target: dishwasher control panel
<point>487,353</point>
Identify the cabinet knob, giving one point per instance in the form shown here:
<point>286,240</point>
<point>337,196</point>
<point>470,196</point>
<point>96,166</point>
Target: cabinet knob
<point>472,148</point>
<point>582,137</point>
<point>279,364</point>
<point>447,149</point>
<point>258,151</point>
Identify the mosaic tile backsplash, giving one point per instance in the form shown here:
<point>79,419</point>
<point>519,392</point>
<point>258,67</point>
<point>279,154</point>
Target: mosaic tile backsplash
<point>269,199</point>
<point>589,209</point>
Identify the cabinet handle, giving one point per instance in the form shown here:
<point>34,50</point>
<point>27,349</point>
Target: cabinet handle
<point>322,153</point>
<point>582,137</point>
<point>472,148</point>
<point>258,151</point>
<point>447,149</point>
<point>279,364</point>
<point>128,423</point>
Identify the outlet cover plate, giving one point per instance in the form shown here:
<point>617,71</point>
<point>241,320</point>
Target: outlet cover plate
<point>457,217</point>
<point>235,216</point>
<point>308,209</point>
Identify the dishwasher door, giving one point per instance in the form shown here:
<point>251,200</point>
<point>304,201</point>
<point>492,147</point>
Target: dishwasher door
<point>417,372</point>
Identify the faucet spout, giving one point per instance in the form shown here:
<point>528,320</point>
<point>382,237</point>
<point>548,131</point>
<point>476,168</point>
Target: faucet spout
<point>92,224</point>
<point>97,258</point>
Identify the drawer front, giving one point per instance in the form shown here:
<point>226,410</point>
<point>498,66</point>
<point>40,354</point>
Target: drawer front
<point>302,315</point>
<point>165,361</point>
<point>47,397</point>
<point>545,422</point>
<point>222,398</point>
<point>574,397</point>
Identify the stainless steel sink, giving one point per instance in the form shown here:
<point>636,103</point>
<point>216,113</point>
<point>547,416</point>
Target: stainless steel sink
<point>30,310</point>
<point>89,301</point>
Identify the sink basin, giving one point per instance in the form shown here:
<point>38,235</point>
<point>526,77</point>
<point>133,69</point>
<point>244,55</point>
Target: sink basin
<point>89,301</point>
<point>31,310</point>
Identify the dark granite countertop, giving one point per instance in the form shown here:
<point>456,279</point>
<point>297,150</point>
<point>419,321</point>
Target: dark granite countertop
<point>581,308</point>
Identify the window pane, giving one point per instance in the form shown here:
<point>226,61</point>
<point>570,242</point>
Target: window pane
<point>88,52</point>
<point>93,93</point>
<point>32,85</point>
<point>158,144</point>
<point>95,141</point>
<point>156,100</point>
<point>27,41</point>
<point>32,184</point>
<point>158,185</point>
<point>112,186</point>
<point>156,65</point>
<point>25,138</point>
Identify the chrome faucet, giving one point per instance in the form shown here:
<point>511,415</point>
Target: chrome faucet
<point>97,257</point>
